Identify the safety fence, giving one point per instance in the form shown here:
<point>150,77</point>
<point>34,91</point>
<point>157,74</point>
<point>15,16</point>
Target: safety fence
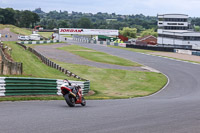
<point>8,67</point>
<point>87,40</point>
<point>155,48</point>
<point>189,52</point>
<point>50,63</point>
<point>146,47</point>
<point>197,53</point>
<point>19,86</point>
<point>38,42</point>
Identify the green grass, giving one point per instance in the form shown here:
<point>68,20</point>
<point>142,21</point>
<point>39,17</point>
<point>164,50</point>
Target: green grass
<point>32,66</point>
<point>97,56</point>
<point>68,36</point>
<point>46,34</point>
<point>151,52</point>
<point>28,98</point>
<point>177,58</point>
<point>113,83</point>
<point>106,83</point>
<point>17,30</point>
<point>133,49</point>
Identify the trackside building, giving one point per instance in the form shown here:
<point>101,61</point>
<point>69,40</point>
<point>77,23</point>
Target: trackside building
<point>174,30</point>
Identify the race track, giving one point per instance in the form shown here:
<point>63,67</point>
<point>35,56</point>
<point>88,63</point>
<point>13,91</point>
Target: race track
<point>175,109</point>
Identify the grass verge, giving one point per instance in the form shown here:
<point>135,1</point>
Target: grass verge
<point>151,53</point>
<point>97,56</point>
<point>16,30</point>
<point>28,98</point>
<point>114,83</point>
<point>133,49</point>
<point>32,66</point>
<point>68,36</point>
<point>106,83</point>
<point>46,34</point>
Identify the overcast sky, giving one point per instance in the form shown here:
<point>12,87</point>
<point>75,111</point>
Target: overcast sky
<point>146,7</point>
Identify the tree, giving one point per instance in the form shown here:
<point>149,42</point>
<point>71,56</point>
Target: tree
<point>149,32</point>
<point>129,32</point>
<point>2,19</point>
<point>84,23</point>
<point>26,18</point>
<point>36,19</point>
<point>62,24</point>
<point>7,16</point>
<point>197,28</point>
<point>51,24</point>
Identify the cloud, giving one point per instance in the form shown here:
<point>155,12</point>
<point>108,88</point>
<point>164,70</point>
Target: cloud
<point>147,7</point>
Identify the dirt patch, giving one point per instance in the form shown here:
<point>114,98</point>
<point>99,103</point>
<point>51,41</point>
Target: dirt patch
<point>178,56</point>
<point>90,93</point>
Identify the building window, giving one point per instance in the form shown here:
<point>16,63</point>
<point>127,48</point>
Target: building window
<point>175,28</point>
<point>191,38</point>
<point>176,19</point>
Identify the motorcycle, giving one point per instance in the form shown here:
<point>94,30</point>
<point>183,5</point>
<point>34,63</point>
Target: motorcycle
<point>72,94</point>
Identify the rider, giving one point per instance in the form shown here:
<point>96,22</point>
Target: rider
<point>72,85</point>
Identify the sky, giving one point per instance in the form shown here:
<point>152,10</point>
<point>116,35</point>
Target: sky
<point>124,7</point>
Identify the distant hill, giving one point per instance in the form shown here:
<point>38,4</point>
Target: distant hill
<point>38,11</point>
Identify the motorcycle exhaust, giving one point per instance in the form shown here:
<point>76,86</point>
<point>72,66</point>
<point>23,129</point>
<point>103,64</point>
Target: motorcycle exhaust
<point>72,94</point>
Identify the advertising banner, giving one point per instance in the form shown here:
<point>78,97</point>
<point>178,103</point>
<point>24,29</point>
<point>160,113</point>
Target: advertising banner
<point>122,45</point>
<point>80,31</point>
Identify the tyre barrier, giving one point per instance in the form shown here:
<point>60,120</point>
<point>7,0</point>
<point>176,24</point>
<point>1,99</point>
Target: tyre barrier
<point>38,42</point>
<point>19,86</point>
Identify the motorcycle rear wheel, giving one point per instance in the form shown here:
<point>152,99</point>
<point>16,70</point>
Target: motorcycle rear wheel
<point>70,100</point>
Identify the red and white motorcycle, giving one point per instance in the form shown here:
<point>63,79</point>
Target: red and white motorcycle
<point>72,94</point>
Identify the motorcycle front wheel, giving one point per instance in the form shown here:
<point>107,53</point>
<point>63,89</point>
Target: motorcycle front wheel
<point>83,103</point>
<point>70,100</point>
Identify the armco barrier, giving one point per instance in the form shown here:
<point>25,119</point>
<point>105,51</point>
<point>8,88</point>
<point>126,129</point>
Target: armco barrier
<point>18,86</point>
<point>167,49</point>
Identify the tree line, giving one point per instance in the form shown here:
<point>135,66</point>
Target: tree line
<point>134,24</point>
<point>55,19</point>
<point>26,18</point>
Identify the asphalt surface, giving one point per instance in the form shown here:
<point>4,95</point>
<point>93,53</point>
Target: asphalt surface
<point>175,109</point>
<point>10,35</point>
<point>51,51</point>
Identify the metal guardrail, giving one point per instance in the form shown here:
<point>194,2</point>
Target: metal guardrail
<point>19,86</point>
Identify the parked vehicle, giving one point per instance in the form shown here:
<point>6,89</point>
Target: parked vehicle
<point>23,38</point>
<point>72,94</point>
<point>35,37</point>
